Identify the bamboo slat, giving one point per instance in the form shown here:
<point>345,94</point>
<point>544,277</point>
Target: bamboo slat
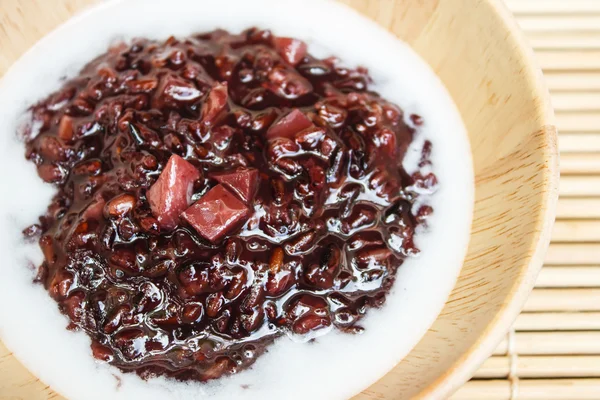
<point>564,40</point>
<point>540,367</point>
<point>553,343</point>
<point>552,7</point>
<point>558,321</point>
<point>480,389</point>
<point>574,101</point>
<point>563,300</point>
<point>563,60</point>
<point>578,208</point>
<point>580,164</point>
<point>569,277</point>
<point>530,389</point>
<point>573,254</point>
<point>580,121</point>
<point>573,80</point>
<point>556,23</point>
<point>579,142</point>
<point>576,231</point>
<point>580,186</point>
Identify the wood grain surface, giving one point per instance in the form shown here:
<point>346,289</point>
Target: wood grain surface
<point>482,59</point>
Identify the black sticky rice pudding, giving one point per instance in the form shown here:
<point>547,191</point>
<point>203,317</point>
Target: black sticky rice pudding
<point>217,192</point>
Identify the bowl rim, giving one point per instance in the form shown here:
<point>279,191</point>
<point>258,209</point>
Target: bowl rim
<point>481,349</point>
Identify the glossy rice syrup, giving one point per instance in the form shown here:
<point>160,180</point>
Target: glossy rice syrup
<point>299,159</point>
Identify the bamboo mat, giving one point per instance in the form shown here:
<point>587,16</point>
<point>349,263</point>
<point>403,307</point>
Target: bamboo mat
<point>553,350</point>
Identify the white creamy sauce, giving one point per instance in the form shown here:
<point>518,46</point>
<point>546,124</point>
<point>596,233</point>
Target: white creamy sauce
<point>335,366</point>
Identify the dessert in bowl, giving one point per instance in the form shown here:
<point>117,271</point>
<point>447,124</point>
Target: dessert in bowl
<point>204,132</point>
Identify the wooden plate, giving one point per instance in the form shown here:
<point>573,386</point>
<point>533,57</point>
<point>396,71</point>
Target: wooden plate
<point>478,51</point>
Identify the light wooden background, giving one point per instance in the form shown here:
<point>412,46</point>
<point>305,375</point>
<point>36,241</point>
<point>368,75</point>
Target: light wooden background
<point>553,353</point>
<point>554,350</point>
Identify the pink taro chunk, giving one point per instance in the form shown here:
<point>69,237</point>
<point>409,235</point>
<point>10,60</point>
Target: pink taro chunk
<point>217,213</point>
<point>242,182</point>
<point>216,102</point>
<point>171,194</point>
<point>292,50</point>
<point>288,125</point>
